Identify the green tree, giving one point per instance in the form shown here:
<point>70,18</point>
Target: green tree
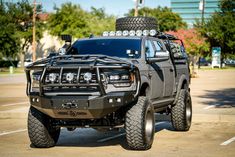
<point>16,23</point>
<point>9,41</point>
<point>100,22</point>
<point>69,19</point>
<point>167,20</point>
<point>195,44</point>
<point>72,19</point>
<point>220,29</point>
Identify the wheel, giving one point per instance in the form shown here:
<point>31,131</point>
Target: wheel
<point>41,132</point>
<point>140,125</point>
<point>136,23</point>
<point>181,113</point>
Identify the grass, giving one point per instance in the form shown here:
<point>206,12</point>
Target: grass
<point>4,71</point>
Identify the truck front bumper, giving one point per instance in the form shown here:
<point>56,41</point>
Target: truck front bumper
<point>81,107</point>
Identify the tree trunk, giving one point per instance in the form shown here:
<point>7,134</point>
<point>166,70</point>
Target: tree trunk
<point>199,62</point>
<point>22,56</point>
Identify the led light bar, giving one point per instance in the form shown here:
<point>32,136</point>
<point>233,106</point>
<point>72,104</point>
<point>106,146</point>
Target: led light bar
<point>131,33</point>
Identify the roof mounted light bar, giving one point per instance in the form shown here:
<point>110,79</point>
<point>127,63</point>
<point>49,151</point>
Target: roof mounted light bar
<point>153,33</point>
<point>131,33</point>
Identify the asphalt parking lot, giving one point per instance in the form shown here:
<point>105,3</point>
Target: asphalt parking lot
<point>212,133</point>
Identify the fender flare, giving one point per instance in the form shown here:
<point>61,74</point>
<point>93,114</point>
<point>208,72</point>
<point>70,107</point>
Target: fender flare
<point>144,80</point>
<point>182,80</point>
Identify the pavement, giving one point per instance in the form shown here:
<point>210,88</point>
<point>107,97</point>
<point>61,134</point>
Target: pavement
<point>212,133</point>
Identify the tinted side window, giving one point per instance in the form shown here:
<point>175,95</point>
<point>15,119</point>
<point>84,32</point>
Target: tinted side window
<point>158,45</point>
<point>149,50</point>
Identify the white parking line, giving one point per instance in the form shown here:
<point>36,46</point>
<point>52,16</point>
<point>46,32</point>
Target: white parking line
<point>12,132</point>
<point>228,141</point>
<point>122,134</point>
<point>211,106</point>
<point>13,104</point>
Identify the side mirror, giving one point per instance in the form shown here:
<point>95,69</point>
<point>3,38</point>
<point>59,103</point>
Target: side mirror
<point>66,38</point>
<point>159,56</point>
<point>62,51</point>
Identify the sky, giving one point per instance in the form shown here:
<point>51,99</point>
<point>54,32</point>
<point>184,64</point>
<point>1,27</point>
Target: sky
<point>114,7</point>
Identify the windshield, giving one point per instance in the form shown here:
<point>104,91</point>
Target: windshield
<point>122,48</point>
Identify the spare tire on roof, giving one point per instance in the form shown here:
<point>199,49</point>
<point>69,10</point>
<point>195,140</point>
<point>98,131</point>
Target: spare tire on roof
<point>136,23</point>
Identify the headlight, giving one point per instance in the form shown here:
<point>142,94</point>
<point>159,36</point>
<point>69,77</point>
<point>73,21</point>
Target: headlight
<point>36,76</point>
<point>125,77</point>
<point>114,77</point>
<point>121,80</point>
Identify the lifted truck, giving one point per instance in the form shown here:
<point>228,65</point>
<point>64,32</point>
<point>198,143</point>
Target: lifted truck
<point>118,80</point>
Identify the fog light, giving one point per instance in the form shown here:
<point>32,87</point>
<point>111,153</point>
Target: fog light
<point>153,32</point>
<point>37,100</point>
<point>119,99</point>
<point>132,33</point>
<point>146,32</point>
<point>105,34</point>
<point>87,76</point>
<point>139,33</point>
<point>112,33</point>
<point>52,77</point>
<point>125,33</point>
<point>119,33</point>
<point>69,77</point>
<point>33,100</point>
<point>110,100</point>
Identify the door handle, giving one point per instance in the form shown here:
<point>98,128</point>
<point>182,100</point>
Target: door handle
<point>171,70</point>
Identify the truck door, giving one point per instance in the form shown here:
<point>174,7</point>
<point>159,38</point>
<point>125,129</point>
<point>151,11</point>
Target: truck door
<point>168,69</point>
<point>155,72</point>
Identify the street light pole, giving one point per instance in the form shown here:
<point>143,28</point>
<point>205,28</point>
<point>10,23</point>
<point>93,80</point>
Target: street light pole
<point>203,11</point>
<point>136,7</point>
<point>202,8</point>
<point>34,31</point>
<point>138,3</point>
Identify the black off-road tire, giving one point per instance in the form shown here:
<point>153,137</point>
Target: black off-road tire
<point>41,133</point>
<point>140,125</point>
<point>181,113</point>
<point>136,23</point>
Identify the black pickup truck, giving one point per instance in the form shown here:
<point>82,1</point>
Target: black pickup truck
<point>118,80</point>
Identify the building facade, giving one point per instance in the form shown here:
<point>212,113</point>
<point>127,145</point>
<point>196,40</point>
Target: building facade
<point>189,10</point>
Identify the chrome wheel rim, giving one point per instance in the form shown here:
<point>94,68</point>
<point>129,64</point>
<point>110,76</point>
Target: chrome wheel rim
<point>149,126</point>
<point>188,111</point>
